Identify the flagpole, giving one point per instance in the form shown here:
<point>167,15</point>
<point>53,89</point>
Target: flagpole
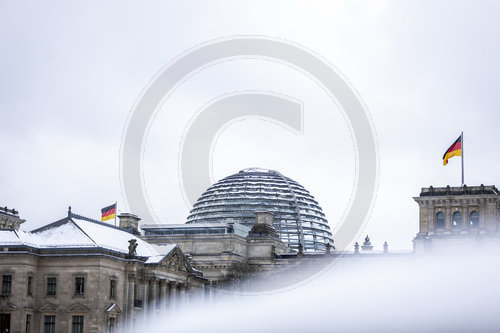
<point>463,159</point>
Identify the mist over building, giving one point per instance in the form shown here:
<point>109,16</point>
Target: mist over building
<point>81,275</point>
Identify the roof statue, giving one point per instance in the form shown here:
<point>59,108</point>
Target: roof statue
<point>132,248</point>
<point>367,245</point>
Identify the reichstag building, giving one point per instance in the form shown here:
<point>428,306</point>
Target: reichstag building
<point>81,275</point>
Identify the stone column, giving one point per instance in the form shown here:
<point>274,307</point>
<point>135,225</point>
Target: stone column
<point>153,292</point>
<point>182,295</point>
<point>430,220</point>
<point>163,295</point>
<point>192,294</point>
<point>130,299</point>
<point>497,216</point>
<point>126,288</point>
<point>490,215</point>
<point>422,220</point>
<point>145,300</point>
<point>211,291</point>
<point>447,217</point>
<point>482,214</point>
<point>168,296</point>
<point>465,216</point>
<point>173,295</point>
<point>128,309</point>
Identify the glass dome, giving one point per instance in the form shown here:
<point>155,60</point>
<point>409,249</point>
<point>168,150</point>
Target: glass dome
<point>297,216</point>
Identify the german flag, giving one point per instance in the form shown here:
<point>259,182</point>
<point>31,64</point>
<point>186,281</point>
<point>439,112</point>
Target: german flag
<point>108,213</point>
<point>454,150</point>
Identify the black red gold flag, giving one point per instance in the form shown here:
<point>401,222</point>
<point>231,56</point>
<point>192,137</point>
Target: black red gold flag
<point>454,150</point>
<point>108,213</point>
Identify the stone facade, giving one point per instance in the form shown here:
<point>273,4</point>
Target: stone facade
<point>78,271</point>
<point>457,215</point>
<point>48,286</point>
<point>215,253</point>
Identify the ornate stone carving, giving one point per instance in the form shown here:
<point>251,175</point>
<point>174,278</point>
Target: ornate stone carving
<point>9,221</point>
<point>176,262</point>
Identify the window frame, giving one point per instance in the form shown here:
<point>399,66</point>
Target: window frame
<point>52,327</point>
<point>438,226</point>
<point>28,323</point>
<point>111,325</point>
<point>77,326</point>
<point>79,286</point>
<point>458,226</point>
<point>7,279</point>
<point>29,286</point>
<point>113,284</point>
<point>48,291</point>
<point>471,224</point>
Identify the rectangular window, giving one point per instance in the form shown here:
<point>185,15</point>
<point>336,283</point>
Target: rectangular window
<point>112,289</point>
<point>111,325</point>
<point>51,285</point>
<point>79,285</point>
<point>77,324</point>
<point>30,283</point>
<point>49,324</point>
<point>28,323</point>
<point>6,284</point>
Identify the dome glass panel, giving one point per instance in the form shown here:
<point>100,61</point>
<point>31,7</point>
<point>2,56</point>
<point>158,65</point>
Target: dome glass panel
<point>298,218</point>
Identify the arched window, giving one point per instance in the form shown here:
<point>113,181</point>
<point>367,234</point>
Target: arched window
<point>440,220</point>
<point>457,220</point>
<point>474,219</point>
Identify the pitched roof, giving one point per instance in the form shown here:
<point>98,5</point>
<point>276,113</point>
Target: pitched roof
<point>17,238</point>
<point>113,238</point>
<point>78,232</point>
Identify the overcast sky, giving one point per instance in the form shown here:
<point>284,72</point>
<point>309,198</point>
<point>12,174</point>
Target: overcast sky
<point>71,72</point>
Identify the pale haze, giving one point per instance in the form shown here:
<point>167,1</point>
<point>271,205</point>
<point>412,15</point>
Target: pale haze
<point>71,72</point>
<point>409,294</point>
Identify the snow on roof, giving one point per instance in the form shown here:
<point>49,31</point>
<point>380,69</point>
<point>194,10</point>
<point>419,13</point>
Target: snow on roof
<point>17,237</point>
<point>65,235</point>
<point>112,238</point>
<point>75,232</point>
<point>28,238</point>
<point>9,237</point>
<point>163,251</point>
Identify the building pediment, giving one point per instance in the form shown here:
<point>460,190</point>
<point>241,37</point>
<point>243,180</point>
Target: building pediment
<point>176,260</point>
<point>77,307</point>
<point>49,307</point>
<point>5,305</point>
<point>113,309</point>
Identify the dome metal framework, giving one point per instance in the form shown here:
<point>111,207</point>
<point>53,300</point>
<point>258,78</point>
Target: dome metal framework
<point>298,218</point>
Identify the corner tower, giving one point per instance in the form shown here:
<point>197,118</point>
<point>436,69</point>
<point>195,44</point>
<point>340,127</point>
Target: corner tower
<point>457,214</point>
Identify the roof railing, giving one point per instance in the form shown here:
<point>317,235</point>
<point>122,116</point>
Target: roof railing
<point>9,211</point>
<point>81,217</point>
